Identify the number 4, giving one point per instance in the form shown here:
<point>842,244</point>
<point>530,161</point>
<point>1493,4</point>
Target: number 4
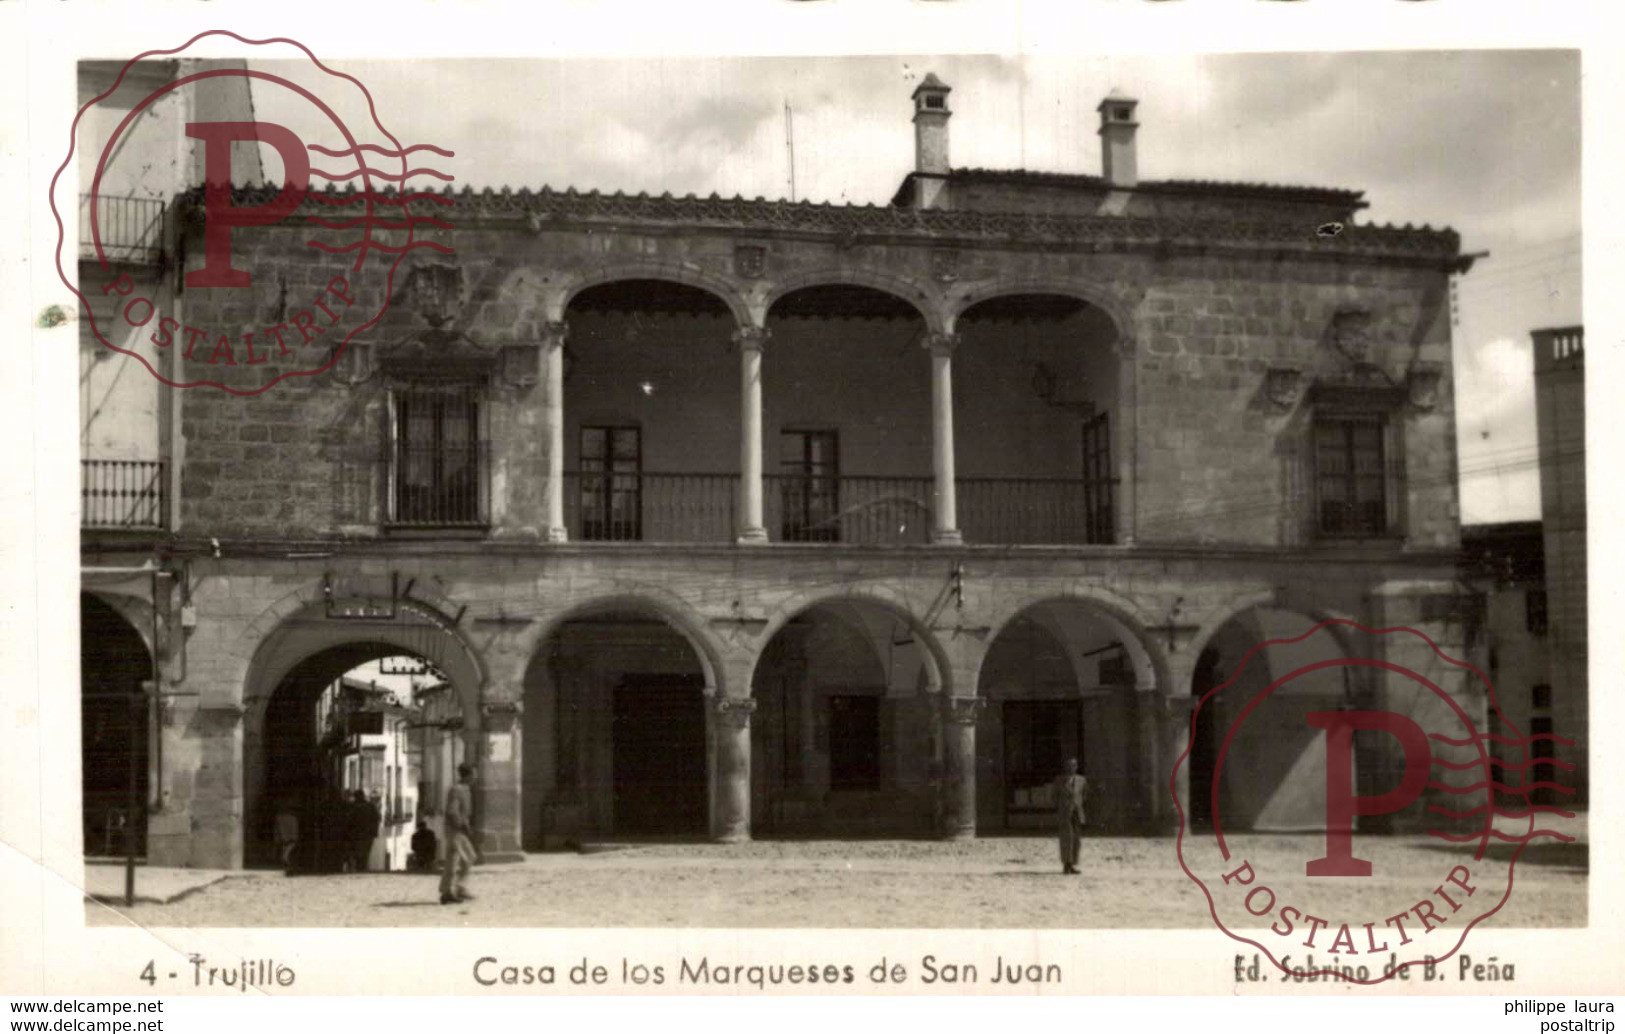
<point>148,974</point>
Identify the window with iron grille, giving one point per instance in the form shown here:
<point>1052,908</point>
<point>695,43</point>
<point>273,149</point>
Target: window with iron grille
<point>437,458</point>
<point>1534,611</point>
<point>1352,491</point>
<point>811,485</point>
<point>611,483</point>
<point>1098,498</point>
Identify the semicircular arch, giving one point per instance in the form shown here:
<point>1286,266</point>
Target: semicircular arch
<point>938,670</point>
<point>418,629</point>
<point>136,612</point>
<point>689,274</point>
<point>1102,298</point>
<point>1116,612</point>
<point>1343,635</point>
<point>665,607</point>
<point>911,293</point>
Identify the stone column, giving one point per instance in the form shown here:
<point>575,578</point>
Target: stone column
<point>553,338</point>
<point>730,767</point>
<point>945,526</point>
<point>1173,737</point>
<point>751,341</point>
<point>959,766</point>
<point>497,797</point>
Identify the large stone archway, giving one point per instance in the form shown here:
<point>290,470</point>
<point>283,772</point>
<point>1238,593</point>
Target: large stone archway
<point>1068,678</point>
<point>317,643</point>
<point>846,735</point>
<point>116,728</point>
<point>1273,772</point>
<point>621,709</point>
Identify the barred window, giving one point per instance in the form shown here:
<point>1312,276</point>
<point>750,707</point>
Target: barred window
<point>437,458</point>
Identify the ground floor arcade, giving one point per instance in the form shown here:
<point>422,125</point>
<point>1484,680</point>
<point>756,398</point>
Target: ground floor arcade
<point>647,696</point>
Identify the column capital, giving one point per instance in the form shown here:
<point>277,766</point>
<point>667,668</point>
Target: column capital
<point>1177,709</point>
<point>555,333</point>
<point>501,708</point>
<point>733,711</point>
<point>938,343</point>
<point>962,710</point>
<point>752,338</point>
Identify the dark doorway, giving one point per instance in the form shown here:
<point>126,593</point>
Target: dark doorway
<point>854,742</point>
<point>1039,737</point>
<point>1203,749</point>
<point>115,729</point>
<point>659,755</point>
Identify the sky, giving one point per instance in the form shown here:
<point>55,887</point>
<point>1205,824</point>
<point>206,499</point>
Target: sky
<point>1486,142</point>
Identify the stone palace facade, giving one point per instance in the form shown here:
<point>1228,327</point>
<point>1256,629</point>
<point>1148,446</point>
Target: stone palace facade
<point>729,518</point>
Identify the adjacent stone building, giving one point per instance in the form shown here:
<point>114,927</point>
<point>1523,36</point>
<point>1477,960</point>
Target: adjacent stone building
<point>728,517</point>
<point>1560,426</point>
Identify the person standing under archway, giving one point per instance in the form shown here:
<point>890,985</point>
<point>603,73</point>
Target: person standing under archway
<point>1070,790</point>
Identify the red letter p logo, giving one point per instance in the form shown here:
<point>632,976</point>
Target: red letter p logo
<point>220,215</point>
<point>1341,803</point>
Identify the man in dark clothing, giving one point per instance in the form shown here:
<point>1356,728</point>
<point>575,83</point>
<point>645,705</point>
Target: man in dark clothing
<point>365,819</point>
<point>424,846</point>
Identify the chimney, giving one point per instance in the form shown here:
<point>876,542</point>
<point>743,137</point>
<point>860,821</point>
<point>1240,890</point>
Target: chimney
<point>1117,128</point>
<point>931,141</point>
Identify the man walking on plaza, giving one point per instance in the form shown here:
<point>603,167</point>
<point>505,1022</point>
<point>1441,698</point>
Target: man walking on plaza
<point>459,838</point>
<point>1070,790</point>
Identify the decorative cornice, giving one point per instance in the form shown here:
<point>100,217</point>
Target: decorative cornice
<point>547,208</point>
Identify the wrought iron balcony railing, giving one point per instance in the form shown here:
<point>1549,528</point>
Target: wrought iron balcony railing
<point>633,507</point>
<point>122,494</point>
<point>131,228</point>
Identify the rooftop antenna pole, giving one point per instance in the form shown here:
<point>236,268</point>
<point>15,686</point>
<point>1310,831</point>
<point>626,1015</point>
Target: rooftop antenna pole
<point>790,145</point>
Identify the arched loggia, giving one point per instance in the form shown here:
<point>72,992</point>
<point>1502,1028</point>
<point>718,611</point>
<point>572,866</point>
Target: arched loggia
<point>1038,390</point>
<point>847,417</point>
<point>643,356</point>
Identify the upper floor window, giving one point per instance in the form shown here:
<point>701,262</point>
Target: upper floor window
<point>810,482</point>
<point>1099,499</point>
<point>437,458</point>
<point>1540,696</point>
<point>1353,493</point>
<point>611,483</point>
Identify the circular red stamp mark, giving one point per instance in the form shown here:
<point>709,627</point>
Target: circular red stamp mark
<point>193,262</point>
<point>1334,915</point>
